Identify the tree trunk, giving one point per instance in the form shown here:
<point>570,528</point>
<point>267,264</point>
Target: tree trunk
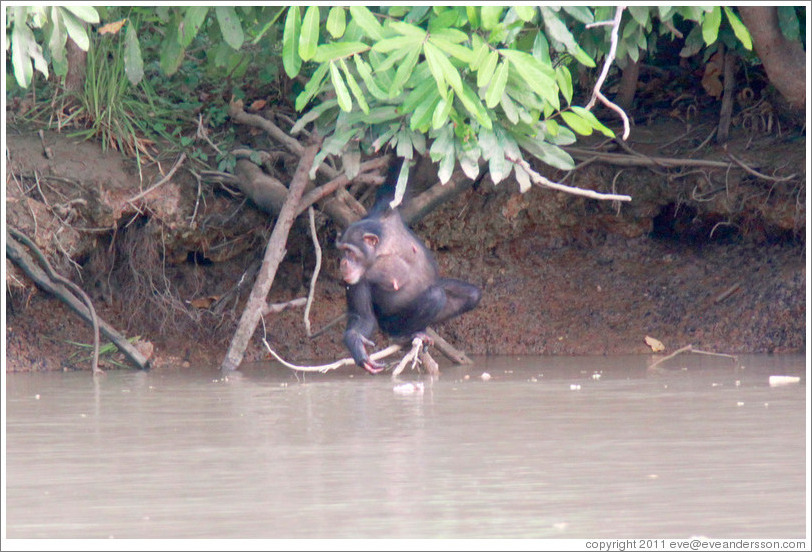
<point>77,67</point>
<point>727,98</point>
<point>628,84</point>
<point>784,60</point>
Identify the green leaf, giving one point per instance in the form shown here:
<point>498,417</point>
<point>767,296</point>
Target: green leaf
<point>541,49</point>
<point>171,52</point>
<point>442,150</point>
<point>133,63</point>
<point>474,106</point>
<point>424,112</point>
<point>230,26</point>
<point>85,13</point>
<point>580,13</point>
<point>367,21</point>
<point>336,22</point>
<point>56,44</point>
<point>407,29</point>
<point>558,31</point>
<point>337,50</point>
<point>538,77</point>
<point>404,72</point>
<point>564,80</point>
<point>440,115</point>
<point>372,85</point>
<point>420,94</point>
<point>593,121</point>
<point>693,43</point>
<point>192,21</point>
<point>739,29</point>
<point>486,69</point>
<point>473,16</point>
<point>342,94</point>
<point>576,123</point>
<point>442,70</point>
<point>76,30</point>
<point>546,152</point>
<point>454,36</point>
<point>313,114</point>
<point>395,43</point>
<point>462,53</point>
<point>21,40</point>
<point>510,108</point>
<point>390,60</point>
<point>312,87</point>
<point>490,16</point>
<point>309,39</point>
<point>356,90</point>
<point>710,25</point>
<point>494,94</point>
<point>640,14</point>
<point>525,13</point>
<point>480,53</point>
<point>290,39</point>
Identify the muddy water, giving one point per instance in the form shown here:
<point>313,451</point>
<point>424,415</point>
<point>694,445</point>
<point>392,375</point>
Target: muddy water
<point>547,447</point>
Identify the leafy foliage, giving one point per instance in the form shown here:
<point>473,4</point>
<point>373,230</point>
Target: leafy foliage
<point>459,76</point>
<point>466,84</point>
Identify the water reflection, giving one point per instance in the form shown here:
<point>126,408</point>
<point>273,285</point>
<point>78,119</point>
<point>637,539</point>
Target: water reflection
<point>548,447</point>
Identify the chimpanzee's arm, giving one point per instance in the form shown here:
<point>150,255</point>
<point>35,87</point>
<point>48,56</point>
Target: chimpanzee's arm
<point>360,325</point>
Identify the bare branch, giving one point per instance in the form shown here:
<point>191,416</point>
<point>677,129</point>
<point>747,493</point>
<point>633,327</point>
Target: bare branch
<point>392,349</point>
<point>610,57</point>
<point>542,181</point>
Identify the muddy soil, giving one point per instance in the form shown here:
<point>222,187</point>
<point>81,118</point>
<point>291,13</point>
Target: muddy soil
<point>707,257</point>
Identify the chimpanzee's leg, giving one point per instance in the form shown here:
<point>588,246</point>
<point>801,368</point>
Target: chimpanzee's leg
<point>421,312</point>
<point>460,297</point>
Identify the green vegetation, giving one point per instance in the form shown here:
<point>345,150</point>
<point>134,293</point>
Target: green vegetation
<point>464,84</point>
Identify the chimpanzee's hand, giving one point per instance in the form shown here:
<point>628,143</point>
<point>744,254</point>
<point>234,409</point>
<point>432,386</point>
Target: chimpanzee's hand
<point>373,366</point>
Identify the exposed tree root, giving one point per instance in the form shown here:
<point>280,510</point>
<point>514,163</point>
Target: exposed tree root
<point>64,289</point>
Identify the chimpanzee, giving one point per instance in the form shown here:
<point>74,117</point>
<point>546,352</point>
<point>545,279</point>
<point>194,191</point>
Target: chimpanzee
<point>393,279</point>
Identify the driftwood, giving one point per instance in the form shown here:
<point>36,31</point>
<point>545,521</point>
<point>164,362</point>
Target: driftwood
<point>64,290</point>
<point>690,349</point>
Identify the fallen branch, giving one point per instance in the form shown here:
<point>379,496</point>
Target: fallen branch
<point>274,253</point>
<point>690,349</point>
<point>454,355</point>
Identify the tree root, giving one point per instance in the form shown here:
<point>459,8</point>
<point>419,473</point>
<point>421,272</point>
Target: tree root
<point>64,289</point>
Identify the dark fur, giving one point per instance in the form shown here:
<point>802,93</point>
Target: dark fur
<point>393,279</point>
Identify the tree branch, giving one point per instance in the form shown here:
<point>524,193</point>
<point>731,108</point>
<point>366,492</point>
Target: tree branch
<point>274,253</point>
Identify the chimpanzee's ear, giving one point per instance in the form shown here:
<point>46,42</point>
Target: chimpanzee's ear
<point>371,239</point>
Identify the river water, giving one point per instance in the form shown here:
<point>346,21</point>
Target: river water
<point>546,447</point>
